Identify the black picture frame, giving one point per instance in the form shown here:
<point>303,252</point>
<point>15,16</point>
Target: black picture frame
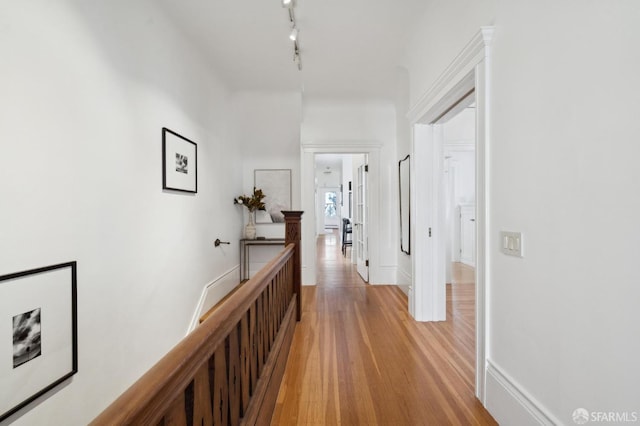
<point>404,198</point>
<point>179,162</point>
<point>45,337</point>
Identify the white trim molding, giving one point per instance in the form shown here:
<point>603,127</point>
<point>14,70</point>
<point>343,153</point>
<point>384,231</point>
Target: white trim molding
<point>214,292</point>
<point>509,403</point>
<point>468,73</point>
<point>463,64</point>
<point>307,176</point>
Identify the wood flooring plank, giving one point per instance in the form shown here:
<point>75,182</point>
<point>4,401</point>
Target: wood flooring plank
<point>358,358</point>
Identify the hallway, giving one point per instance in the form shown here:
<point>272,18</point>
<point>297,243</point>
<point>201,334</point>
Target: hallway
<point>357,357</point>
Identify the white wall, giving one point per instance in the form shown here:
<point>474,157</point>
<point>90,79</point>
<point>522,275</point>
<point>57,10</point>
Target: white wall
<point>563,319</point>
<point>267,127</point>
<point>85,91</point>
<point>403,141</point>
<point>332,124</point>
<point>446,27</point>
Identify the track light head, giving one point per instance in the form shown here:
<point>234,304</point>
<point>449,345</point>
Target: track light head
<point>288,3</point>
<point>294,34</point>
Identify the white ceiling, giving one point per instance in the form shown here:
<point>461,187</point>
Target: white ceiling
<point>331,162</point>
<point>349,48</point>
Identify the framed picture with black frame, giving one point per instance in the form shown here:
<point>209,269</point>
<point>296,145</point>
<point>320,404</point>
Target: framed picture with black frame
<point>38,333</point>
<point>179,162</point>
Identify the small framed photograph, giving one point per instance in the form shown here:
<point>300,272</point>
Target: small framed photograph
<point>276,185</point>
<point>38,333</point>
<point>179,162</point>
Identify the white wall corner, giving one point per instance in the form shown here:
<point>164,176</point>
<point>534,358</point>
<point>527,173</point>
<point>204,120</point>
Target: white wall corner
<point>510,404</point>
<point>404,281</point>
<point>213,292</point>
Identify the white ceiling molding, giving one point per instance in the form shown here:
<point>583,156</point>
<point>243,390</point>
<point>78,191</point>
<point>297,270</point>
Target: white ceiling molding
<point>456,80</point>
<point>335,146</point>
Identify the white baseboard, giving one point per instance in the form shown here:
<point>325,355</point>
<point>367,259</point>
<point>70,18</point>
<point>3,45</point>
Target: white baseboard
<point>510,404</point>
<point>214,292</point>
<point>404,278</point>
<point>383,275</point>
<point>405,289</point>
<point>308,277</point>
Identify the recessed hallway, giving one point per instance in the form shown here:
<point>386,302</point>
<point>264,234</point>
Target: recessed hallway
<point>358,358</point>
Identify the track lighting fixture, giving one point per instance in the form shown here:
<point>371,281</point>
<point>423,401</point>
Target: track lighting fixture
<point>297,60</point>
<point>296,55</point>
<point>294,34</point>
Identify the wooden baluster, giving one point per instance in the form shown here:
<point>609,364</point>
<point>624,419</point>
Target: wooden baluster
<point>291,271</point>
<point>265,323</point>
<point>202,411</point>
<point>234,377</point>
<point>272,311</point>
<point>221,390</point>
<point>253,345</point>
<point>281,298</point>
<point>245,365</point>
<point>260,331</point>
<point>176,415</point>
<point>277,306</point>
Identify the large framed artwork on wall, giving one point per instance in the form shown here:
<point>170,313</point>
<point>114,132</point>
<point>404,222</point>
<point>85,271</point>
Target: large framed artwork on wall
<point>179,162</point>
<point>38,333</point>
<point>276,185</point>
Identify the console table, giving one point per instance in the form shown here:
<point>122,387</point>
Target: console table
<point>246,244</point>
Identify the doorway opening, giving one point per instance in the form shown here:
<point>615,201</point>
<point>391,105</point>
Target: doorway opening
<point>460,195</point>
<point>341,205</point>
<point>464,81</point>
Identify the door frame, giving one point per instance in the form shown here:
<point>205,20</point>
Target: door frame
<point>468,73</point>
<point>307,184</point>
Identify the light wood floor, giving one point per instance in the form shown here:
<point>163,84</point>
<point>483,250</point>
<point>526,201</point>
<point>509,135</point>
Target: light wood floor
<point>359,359</point>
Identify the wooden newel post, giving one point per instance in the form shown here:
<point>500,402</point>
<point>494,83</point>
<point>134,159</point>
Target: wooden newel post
<point>293,235</point>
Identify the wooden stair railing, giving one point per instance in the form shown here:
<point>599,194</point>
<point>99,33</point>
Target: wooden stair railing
<point>229,369</point>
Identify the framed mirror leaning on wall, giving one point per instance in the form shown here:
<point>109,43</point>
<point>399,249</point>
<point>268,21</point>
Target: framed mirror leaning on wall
<point>404,170</point>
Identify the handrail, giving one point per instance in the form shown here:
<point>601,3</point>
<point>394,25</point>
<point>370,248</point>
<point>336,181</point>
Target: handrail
<point>224,341</point>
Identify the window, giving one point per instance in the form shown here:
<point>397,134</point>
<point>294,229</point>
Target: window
<point>330,204</point>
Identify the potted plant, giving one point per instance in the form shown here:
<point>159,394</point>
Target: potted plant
<point>252,203</point>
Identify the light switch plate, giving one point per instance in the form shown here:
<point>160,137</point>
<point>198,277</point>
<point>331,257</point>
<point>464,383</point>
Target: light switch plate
<point>511,243</point>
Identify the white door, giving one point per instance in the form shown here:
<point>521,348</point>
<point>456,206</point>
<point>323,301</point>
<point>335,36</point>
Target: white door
<point>468,234</point>
<point>360,223</point>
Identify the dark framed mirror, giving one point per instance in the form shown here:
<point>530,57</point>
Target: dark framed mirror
<point>404,171</point>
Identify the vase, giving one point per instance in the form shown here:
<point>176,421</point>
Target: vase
<point>250,228</point>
